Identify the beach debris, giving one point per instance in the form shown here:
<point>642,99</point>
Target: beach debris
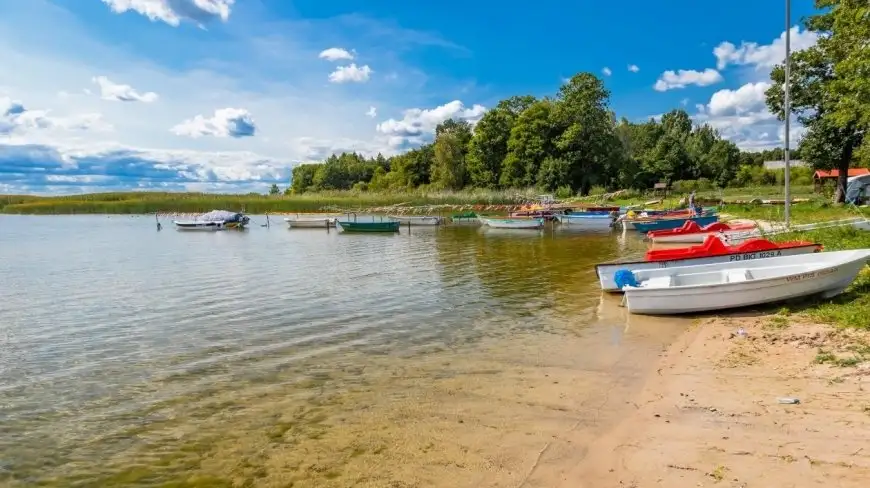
<point>788,400</point>
<point>741,332</point>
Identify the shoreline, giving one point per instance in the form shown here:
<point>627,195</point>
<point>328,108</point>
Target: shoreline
<point>710,414</point>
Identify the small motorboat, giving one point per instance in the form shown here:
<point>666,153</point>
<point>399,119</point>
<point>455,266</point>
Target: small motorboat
<point>734,284</point>
<point>416,219</point>
<point>214,221</point>
<point>691,232</point>
<point>589,221</point>
<point>465,218</point>
<point>387,226</point>
<point>512,223</point>
<point>310,222</point>
<point>666,224</point>
<point>712,251</point>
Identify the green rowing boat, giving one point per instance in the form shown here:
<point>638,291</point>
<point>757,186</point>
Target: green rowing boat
<point>368,226</point>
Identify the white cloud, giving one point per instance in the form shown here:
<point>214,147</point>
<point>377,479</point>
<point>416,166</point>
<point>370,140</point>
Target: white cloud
<point>742,117</point>
<point>763,57</point>
<point>417,124</point>
<point>226,122</point>
<point>606,71</point>
<point>670,80</point>
<point>684,102</point>
<point>16,120</point>
<point>749,98</point>
<point>268,67</point>
<point>121,93</point>
<point>633,68</point>
<point>372,112</point>
<point>174,11</point>
<point>335,54</point>
<point>351,73</point>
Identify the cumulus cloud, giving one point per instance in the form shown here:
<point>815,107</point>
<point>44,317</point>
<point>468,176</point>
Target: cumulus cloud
<point>50,169</point>
<point>742,117</point>
<point>416,125</point>
<point>173,12</point>
<point>372,112</point>
<point>226,122</point>
<point>351,73</point>
<point>763,57</point>
<point>606,71</point>
<point>15,119</point>
<point>335,54</point>
<point>670,80</point>
<point>633,68</point>
<point>121,93</point>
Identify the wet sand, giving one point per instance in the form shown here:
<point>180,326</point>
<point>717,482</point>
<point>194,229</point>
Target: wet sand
<point>513,411</point>
<point>710,415</point>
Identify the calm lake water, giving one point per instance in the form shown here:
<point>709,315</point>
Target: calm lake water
<point>450,356</point>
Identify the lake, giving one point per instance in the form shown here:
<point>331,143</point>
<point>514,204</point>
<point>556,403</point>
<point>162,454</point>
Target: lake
<point>449,356</point>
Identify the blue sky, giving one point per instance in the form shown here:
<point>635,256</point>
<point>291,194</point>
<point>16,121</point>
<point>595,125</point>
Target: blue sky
<point>227,95</point>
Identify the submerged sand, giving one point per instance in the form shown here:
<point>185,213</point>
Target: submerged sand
<point>711,416</point>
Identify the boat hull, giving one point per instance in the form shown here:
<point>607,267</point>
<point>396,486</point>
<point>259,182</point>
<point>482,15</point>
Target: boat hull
<point>417,220</point>
<point>669,224</point>
<point>310,223</point>
<point>601,221</point>
<point>513,223</point>
<point>827,278</point>
<point>607,271</point>
<point>207,226</point>
<point>383,227</point>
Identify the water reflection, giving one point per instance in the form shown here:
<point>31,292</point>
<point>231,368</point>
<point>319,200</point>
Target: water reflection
<point>135,357</point>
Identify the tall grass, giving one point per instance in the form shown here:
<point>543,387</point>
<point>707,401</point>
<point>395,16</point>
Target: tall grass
<point>150,202</point>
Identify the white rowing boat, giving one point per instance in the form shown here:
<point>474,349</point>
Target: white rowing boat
<point>735,284</point>
<point>214,221</point>
<point>416,219</point>
<point>512,223</point>
<point>310,222</point>
<point>607,271</point>
<point>591,221</point>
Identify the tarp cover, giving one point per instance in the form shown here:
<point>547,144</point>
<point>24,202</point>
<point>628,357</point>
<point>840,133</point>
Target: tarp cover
<point>220,215</point>
<point>857,187</point>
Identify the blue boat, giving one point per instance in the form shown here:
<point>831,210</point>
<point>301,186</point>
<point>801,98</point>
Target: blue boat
<point>668,224</point>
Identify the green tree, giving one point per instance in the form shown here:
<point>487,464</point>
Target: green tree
<point>274,190</point>
<point>850,36</point>
<point>529,143</point>
<point>448,168</point>
<point>489,147</point>
<point>586,139</point>
<point>829,142</point>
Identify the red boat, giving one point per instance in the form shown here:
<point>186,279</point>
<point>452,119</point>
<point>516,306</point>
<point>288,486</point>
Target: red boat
<point>713,246</point>
<point>692,232</point>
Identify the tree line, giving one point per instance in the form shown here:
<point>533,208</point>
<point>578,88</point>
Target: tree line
<point>572,141</point>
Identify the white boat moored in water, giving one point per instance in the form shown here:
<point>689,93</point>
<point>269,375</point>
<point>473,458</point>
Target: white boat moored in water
<point>513,223</point>
<point>687,289</point>
<point>310,222</point>
<point>591,221</point>
<point>213,221</point>
<point>416,219</point>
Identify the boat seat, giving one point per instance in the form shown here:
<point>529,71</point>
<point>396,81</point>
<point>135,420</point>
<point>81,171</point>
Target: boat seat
<point>737,275</point>
<point>659,282</point>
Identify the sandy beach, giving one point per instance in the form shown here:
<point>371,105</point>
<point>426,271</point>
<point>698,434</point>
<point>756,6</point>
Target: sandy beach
<point>711,414</point>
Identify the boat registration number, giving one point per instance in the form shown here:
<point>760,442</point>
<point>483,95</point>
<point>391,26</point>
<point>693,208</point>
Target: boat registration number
<point>810,275</point>
<point>755,255</point>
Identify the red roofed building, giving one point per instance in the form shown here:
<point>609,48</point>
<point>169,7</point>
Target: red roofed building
<point>819,177</point>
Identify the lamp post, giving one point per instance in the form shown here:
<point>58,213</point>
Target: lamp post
<point>787,108</point>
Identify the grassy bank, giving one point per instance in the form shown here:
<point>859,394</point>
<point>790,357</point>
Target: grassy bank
<point>150,202</point>
<point>852,308</point>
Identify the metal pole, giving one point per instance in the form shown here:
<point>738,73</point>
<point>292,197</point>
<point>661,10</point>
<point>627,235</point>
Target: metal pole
<point>787,107</point>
